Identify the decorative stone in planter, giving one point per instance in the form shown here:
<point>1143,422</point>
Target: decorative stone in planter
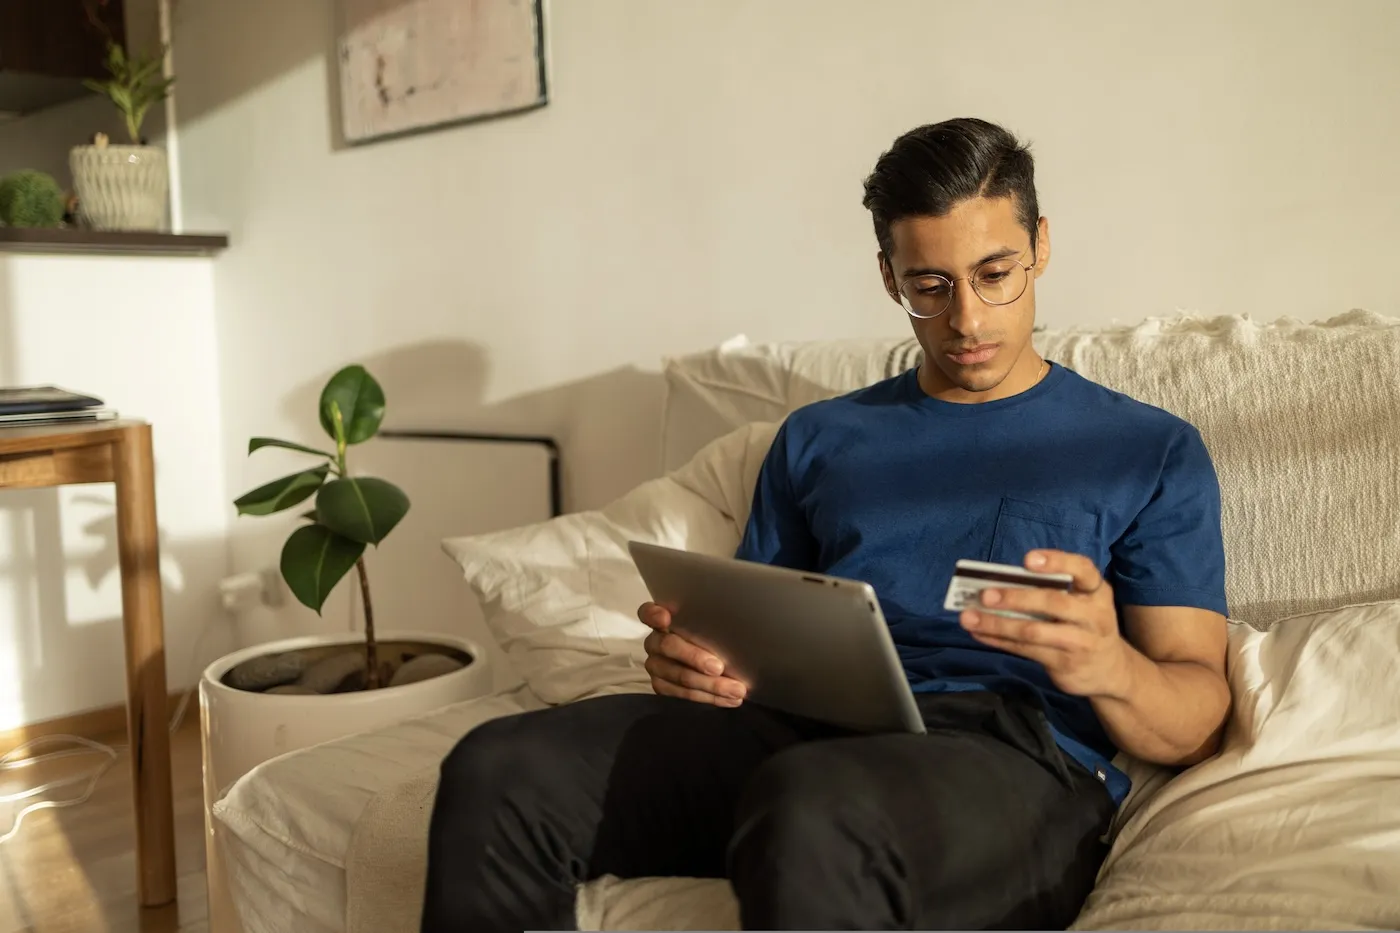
<point>120,187</point>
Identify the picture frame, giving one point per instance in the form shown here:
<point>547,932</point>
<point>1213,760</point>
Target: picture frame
<point>409,66</point>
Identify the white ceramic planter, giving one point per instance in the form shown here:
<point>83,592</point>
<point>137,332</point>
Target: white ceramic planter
<point>240,730</point>
<point>120,187</point>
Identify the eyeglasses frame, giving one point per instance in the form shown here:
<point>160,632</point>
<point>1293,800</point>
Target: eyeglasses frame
<point>953,285</point>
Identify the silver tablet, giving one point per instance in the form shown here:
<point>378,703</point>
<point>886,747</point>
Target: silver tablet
<point>808,644</point>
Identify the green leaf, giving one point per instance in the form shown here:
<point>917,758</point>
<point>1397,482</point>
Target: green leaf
<point>363,509</point>
<point>309,516</point>
<point>145,69</point>
<point>361,402</point>
<point>281,493</point>
<point>338,429</point>
<point>258,443</point>
<point>313,561</point>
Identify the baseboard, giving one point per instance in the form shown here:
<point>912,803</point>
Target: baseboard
<point>96,724</point>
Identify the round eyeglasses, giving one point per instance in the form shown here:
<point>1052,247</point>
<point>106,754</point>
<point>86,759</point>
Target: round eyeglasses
<point>996,282</point>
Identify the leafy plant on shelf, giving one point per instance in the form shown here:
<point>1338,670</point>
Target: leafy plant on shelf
<point>351,512</point>
<point>30,199</point>
<point>136,84</point>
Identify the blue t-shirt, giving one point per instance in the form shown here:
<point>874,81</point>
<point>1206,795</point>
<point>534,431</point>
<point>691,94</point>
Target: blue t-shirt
<point>891,487</point>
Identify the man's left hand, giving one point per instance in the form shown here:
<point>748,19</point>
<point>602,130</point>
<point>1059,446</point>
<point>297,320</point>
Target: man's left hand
<point>1081,649</point>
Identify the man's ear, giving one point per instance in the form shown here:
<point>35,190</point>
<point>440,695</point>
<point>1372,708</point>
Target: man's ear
<point>887,274</point>
<point>1042,246</point>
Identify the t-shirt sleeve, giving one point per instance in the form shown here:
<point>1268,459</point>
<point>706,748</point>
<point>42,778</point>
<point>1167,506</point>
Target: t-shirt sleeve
<point>777,531</point>
<point>1172,553</point>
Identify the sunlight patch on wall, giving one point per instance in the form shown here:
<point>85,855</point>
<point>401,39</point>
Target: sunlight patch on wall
<point>19,601</point>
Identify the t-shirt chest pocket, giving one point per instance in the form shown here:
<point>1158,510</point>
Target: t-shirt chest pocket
<point>1024,526</point>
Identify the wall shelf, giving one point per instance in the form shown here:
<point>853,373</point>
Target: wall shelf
<point>75,240</point>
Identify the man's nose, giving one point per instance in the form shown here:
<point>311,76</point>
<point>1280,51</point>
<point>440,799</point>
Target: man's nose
<point>967,311</point>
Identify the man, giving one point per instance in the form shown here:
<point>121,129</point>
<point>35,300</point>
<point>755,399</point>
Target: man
<point>995,817</point>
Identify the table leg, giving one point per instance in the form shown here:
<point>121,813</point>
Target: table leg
<point>147,726</point>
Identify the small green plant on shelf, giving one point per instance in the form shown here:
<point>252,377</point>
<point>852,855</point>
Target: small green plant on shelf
<point>30,199</point>
<point>351,512</point>
<point>135,85</point>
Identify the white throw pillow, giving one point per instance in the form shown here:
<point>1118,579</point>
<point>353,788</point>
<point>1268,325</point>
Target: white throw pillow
<point>561,597</point>
<point>715,391</point>
<point>1296,823</point>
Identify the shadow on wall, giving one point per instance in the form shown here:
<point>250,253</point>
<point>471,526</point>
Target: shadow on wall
<point>304,31</point>
<point>607,425</point>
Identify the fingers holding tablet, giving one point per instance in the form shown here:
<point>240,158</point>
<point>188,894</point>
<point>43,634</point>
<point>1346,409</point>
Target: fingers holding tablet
<point>682,669</point>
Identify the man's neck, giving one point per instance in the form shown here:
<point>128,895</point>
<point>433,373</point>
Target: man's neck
<point>1030,368</point>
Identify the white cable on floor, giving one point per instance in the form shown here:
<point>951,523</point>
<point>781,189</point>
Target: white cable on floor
<point>12,761</point>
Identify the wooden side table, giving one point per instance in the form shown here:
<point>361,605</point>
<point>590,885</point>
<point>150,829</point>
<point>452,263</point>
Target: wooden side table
<point>120,452</point>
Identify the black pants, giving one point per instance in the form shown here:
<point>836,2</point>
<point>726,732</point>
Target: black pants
<point>981,823</point>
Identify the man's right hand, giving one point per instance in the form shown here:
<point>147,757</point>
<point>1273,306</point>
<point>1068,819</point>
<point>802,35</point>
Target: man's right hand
<point>679,668</point>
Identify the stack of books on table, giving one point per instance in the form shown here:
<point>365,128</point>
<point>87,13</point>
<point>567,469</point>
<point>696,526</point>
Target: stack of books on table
<point>31,405</point>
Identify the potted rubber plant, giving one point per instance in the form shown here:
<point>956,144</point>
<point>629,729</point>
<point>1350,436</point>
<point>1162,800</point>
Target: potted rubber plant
<point>351,512</point>
<point>124,186</point>
<point>272,698</point>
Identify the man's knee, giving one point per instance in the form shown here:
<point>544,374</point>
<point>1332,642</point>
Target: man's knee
<point>805,801</point>
<point>526,756</point>
<point>492,760</point>
<point>812,851</point>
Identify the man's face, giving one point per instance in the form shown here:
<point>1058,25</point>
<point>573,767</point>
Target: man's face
<point>973,347</point>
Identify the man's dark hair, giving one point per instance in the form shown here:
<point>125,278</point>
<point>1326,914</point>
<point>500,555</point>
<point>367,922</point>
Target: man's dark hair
<point>931,169</point>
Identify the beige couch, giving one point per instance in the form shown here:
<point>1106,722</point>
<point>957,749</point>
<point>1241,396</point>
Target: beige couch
<point>1296,823</point>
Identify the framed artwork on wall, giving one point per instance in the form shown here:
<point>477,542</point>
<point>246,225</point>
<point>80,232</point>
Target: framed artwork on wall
<point>412,65</point>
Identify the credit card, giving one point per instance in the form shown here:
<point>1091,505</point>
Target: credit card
<point>971,577</point>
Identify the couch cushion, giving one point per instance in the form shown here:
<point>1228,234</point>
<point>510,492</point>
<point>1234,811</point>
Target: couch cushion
<point>611,903</point>
<point>286,827</point>
<point>1296,823</point>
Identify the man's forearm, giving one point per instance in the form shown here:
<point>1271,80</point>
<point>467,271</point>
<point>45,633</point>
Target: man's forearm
<point>1166,712</point>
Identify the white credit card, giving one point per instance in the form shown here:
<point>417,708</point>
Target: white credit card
<point>971,577</point>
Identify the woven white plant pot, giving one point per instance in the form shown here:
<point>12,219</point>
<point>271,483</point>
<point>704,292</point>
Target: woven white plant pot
<point>121,187</point>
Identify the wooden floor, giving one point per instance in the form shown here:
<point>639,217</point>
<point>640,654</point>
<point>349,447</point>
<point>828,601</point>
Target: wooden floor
<point>73,870</point>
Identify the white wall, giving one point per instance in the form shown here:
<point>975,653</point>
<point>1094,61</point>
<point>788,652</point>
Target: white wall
<point>138,333</point>
<point>697,174</point>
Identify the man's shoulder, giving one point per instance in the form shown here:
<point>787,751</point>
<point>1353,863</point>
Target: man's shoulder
<point>1122,411</point>
<point>840,408</point>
